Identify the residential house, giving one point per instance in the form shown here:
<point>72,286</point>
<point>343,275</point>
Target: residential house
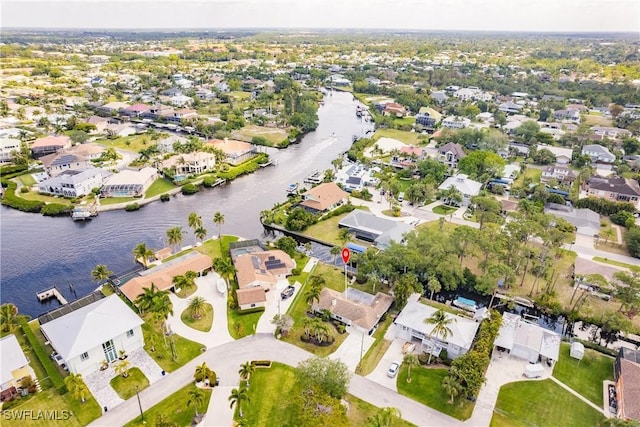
<point>97,332</point>
<point>99,122</point>
<point>615,189</point>
<point>485,117</point>
<point>136,110</point>
<point>466,93</point>
<point>162,275</point>
<point>74,183</point>
<point>90,150</point>
<point>560,173</point>
<point>627,378</point>
<point>452,122</point>
<point>359,310</point>
<point>190,163</point>
<point>157,111</point>
<point>381,231</point>
<point>323,198</point>
<point>112,108</point>
<point>181,100</point>
<point>610,132</point>
<point>237,152</point>
<point>440,96</point>
<point>120,129</point>
<point>450,154</point>
<point>598,153</point>
<point>510,107</point>
<point>262,269</point>
<point>184,114</point>
<point>7,147</point>
<point>354,177</point>
<point>129,183</point>
<point>395,109</point>
<point>425,120</point>
<point>56,163</point>
<point>408,156</point>
<point>570,114</point>
<point>411,326</point>
<point>563,155</point>
<point>461,182</point>
<point>586,221</point>
<point>205,94</point>
<point>251,298</point>
<point>49,145</point>
<point>14,367</point>
<point>528,341</point>
<point>165,145</point>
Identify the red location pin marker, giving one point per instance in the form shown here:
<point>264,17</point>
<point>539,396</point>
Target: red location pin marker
<point>346,254</point>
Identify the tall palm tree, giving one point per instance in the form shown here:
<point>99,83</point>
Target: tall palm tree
<point>196,307</point>
<point>239,395</point>
<point>410,360</point>
<point>195,222</point>
<point>162,309</point>
<point>145,300</point>
<point>218,219</point>
<point>246,369</point>
<point>123,368</point>
<point>143,253</point>
<point>225,268</point>
<point>174,236</point>
<point>434,286</point>
<point>335,251</point>
<point>200,233</point>
<point>440,322</point>
<point>307,325</point>
<point>8,317</point>
<point>75,384</point>
<point>312,294</point>
<point>100,273</point>
<point>196,398</point>
<point>320,330</point>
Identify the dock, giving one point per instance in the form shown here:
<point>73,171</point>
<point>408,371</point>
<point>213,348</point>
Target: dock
<point>51,293</point>
<point>269,163</point>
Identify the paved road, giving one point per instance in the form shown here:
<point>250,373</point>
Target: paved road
<point>225,360</point>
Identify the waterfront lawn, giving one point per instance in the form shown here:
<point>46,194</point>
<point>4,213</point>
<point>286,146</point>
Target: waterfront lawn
<point>27,180</point>
<point>411,138</point>
<point>274,136</point>
<point>133,143</point>
<point>116,200</point>
<point>584,376</point>
<point>159,186</point>
<point>50,401</point>
<point>426,387</point>
<point>174,409</point>
<point>35,196</point>
<point>212,248</point>
<point>186,349</point>
<point>542,403</point>
<point>126,387</point>
<point>202,324</point>
<point>327,230</point>
<point>444,210</point>
<point>377,350</point>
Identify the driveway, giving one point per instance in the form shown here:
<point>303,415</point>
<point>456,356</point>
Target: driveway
<point>353,348</point>
<point>275,304</point>
<point>393,354</point>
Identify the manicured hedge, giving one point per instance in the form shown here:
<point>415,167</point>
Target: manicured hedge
<point>45,360</point>
<point>251,310</point>
<point>261,363</point>
<point>55,209</point>
<point>604,206</point>
<point>245,168</point>
<point>10,199</point>
<point>189,189</point>
<point>132,207</point>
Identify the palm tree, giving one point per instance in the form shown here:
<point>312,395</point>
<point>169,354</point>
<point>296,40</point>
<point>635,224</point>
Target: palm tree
<point>123,368</point>
<point>335,251</point>
<point>307,324</point>
<point>196,398</point>
<point>451,386</point>
<point>384,417</point>
<point>8,317</point>
<point>218,219</point>
<point>320,330</point>
<point>410,360</point>
<point>200,233</point>
<point>195,222</point>
<point>313,294</point>
<point>100,273</point>
<point>344,235</point>
<point>76,386</point>
<point>225,268</point>
<point>434,286</point>
<point>174,236</point>
<point>246,369</point>
<point>440,322</point>
<point>196,307</point>
<point>451,196</point>
<point>142,252</point>
<point>237,397</point>
<point>145,300</point>
<point>202,372</point>
<point>162,309</point>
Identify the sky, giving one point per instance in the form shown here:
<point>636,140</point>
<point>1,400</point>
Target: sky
<point>469,15</point>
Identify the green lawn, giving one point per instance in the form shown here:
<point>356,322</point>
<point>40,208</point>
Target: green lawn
<point>186,292</point>
<point>584,376</point>
<point>174,408</point>
<point>532,173</point>
<point>116,200</point>
<point>27,180</point>
<point>202,324</point>
<point>444,210</point>
<point>271,391</point>
<point>377,350</point>
<point>211,247</point>
<point>541,403</point>
<point>425,387</point>
<point>153,338</point>
<point>81,414</point>
<point>159,186</point>
<point>126,387</point>
<point>242,324</point>
<point>612,262</point>
<point>328,229</point>
<point>411,138</point>
<point>273,136</point>
<point>133,143</point>
<point>34,195</point>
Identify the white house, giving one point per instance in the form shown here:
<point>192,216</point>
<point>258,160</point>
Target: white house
<point>95,333</point>
<point>74,183</point>
<point>453,122</point>
<point>598,153</point>
<point>190,163</point>
<point>128,183</point>
<point>461,182</point>
<point>525,340</point>
<point>563,155</point>
<point>14,366</point>
<point>7,147</point>
<point>412,327</point>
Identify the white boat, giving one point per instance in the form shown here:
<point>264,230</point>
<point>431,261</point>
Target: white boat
<point>221,286</point>
<point>292,188</point>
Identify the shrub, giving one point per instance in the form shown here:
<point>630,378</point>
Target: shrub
<point>251,310</point>
<point>55,209</point>
<point>188,189</point>
<point>42,355</point>
<point>24,190</point>
<point>621,218</point>
<point>209,181</point>
<point>165,197</point>
<point>295,272</point>
<point>604,206</point>
<point>340,210</point>
<point>132,207</point>
<point>10,199</point>
<point>261,363</point>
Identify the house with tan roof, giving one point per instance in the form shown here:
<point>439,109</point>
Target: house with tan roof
<point>627,377</point>
<point>162,275</point>
<point>190,163</point>
<point>354,308</point>
<point>57,163</point>
<point>129,183</point>
<point>250,298</point>
<point>236,151</point>
<point>262,269</point>
<point>323,198</point>
<point>49,145</point>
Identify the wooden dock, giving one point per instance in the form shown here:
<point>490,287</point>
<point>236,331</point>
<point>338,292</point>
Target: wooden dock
<point>51,293</point>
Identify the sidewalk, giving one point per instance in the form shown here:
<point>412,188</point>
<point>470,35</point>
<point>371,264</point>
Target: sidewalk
<point>579,396</point>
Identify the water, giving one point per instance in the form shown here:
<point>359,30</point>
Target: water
<point>38,252</point>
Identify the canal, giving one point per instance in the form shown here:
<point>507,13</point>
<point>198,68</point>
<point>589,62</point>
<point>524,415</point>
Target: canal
<point>39,252</point>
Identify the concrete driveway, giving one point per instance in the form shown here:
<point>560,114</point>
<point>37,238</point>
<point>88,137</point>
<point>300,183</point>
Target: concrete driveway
<point>393,354</point>
<point>353,348</point>
<point>275,304</point>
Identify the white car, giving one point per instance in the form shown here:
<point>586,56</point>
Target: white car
<point>393,370</point>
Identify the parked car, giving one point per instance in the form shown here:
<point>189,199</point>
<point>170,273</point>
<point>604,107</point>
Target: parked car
<point>393,370</point>
<point>289,290</point>
<point>59,360</point>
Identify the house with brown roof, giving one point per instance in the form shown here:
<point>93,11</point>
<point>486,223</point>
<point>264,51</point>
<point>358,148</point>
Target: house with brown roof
<point>395,109</point>
<point>354,308</point>
<point>450,154</point>
<point>49,145</point>
<point>323,198</point>
<point>262,269</point>
<point>57,163</point>
<point>236,151</point>
<point>162,275</point>
<point>627,378</point>
<point>250,298</point>
<point>615,189</point>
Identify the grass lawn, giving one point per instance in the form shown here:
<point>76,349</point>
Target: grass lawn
<point>411,138</point>
<point>133,143</point>
<point>126,387</point>
<point>116,200</point>
<point>541,403</point>
<point>444,210</point>
<point>211,247</point>
<point>186,292</point>
<point>532,173</point>
<point>159,186</point>
<point>425,387</point>
<point>174,408</point>
<point>612,262</point>
<point>271,392</point>
<point>185,349</point>
<point>27,180</point>
<point>328,229</point>
<point>377,350</point>
<point>242,324</point>
<point>273,136</point>
<point>584,376</point>
<point>593,119</point>
<point>34,195</point>
<point>49,400</point>
<point>202,324</point>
